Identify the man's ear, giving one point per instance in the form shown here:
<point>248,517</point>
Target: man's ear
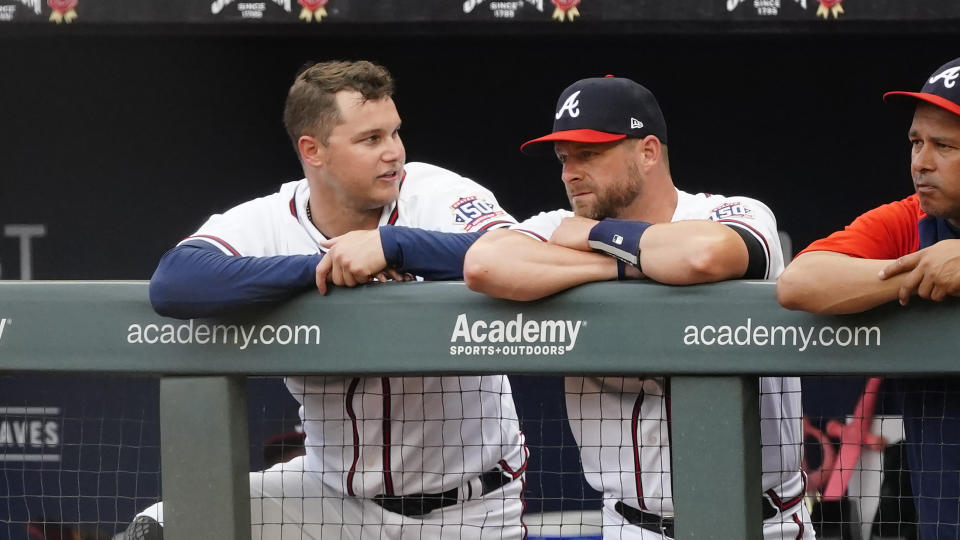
<point>650,150</point>
<point>311,151</point>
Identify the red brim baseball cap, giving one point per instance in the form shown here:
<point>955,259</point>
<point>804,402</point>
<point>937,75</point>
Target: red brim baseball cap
<point>929,98</point>
<point>941,89</point>
<point>577,135</point>
<point>600,110</point>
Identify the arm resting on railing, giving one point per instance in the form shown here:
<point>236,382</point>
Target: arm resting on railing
<point>198,280</point>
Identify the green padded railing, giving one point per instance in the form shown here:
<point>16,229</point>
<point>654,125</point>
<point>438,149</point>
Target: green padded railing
<point>713,339</point>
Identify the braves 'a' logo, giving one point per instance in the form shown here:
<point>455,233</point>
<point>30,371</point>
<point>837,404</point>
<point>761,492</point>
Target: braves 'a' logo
<point>571,105</point>
<point>949,77</point>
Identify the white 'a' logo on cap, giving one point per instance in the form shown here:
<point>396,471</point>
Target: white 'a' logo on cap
<point>949,77</point>
<point>571,105</point>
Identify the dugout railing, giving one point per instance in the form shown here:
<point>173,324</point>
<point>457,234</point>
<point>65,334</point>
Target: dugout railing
<point>714,340</point>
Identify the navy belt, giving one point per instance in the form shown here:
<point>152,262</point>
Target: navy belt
<point>664,526</point>
<point>645,520</point>
<point>421,504</point>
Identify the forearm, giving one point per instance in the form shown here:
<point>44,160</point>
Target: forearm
<point>834,283</point>
<point>508,264</point>
<point>429,254</point>
<point>688,252</point>
<point>198,281</point>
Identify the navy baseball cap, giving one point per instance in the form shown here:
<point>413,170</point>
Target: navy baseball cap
<point>604,109</point>
<point>941,89</point>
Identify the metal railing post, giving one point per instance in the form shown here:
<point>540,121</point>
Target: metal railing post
<point>715,440</point>
<point>205,457</point>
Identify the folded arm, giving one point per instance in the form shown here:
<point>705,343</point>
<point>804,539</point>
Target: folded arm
<point>682,252</point>
<point>509,264</point>
<point>392,252</point>
<point>690,252</point>
<point>834,283</point>
<point>195,279</point>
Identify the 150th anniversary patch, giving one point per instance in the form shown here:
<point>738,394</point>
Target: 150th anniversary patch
<point>470,212</point>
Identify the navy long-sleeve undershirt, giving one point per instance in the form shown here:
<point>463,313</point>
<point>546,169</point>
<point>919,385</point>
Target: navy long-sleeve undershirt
<point>196,279</point>
<point>430,254</point>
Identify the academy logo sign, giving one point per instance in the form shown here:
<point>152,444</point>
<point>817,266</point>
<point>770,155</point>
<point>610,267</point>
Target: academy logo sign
<point>514,337</point>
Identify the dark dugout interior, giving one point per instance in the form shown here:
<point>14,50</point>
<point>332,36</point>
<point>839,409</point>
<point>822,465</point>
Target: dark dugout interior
<point>121,143</point>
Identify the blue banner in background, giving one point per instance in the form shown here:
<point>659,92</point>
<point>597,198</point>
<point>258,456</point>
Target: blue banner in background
<point>83,452</point>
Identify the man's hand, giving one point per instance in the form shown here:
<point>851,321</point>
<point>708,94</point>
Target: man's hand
<point>573,233</point>
<point>352,259</point>
<point>932,273</point>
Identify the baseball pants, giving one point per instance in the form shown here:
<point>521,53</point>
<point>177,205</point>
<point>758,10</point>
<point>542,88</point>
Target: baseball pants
<point>791,525</point>
<point>288,504</point>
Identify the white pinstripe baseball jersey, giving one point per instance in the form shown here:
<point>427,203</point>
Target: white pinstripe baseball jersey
<point>389,435</point>
<point>622,424</point>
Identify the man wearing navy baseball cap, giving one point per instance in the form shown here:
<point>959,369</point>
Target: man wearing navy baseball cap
<point>898,251</point>
<point>628,220</point>
<point>615,108</point>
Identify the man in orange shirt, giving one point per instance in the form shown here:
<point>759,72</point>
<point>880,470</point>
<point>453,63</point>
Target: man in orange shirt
<point>897,251</point>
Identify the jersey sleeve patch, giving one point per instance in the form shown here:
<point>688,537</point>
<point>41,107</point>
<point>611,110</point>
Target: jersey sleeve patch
<point>731,210</point>
<point>471,213</point>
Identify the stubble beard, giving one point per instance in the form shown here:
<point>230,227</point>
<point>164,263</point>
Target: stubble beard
<point>944,208</point>
<point>610,201</point>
